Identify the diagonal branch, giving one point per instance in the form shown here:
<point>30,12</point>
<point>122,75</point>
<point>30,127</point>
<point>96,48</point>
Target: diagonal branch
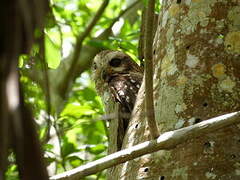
<point>166,141</point>
<point>123,12</point>
<point>78,47</point>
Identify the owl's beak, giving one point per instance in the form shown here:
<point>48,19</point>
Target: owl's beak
<point>106,75</point>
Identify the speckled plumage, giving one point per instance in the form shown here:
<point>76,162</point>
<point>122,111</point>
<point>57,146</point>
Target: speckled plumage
<point>118,79</point>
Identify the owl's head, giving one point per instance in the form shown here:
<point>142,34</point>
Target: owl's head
<point>108,64</point>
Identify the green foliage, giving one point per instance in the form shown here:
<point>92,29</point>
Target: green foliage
<point>77,134</point>
<point>52,53</point>
<point>12,173</point>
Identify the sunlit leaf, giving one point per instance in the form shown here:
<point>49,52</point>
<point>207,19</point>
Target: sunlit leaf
<point>77,110</point>
<point>52,52</point>
<point>48,147</point>
<point>97,149</point>
<point>22,58</point>
<point>75,161</point>
<point>68,147</point>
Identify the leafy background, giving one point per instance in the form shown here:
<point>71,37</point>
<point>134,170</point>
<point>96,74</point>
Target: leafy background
<point>77,133</point>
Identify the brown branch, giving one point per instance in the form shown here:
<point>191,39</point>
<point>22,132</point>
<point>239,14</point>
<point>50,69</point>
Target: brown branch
<point>46,84</point>
<point>78,47</point>
<point>149,69</point>
<point>141,39</point>
<point>166,141</point>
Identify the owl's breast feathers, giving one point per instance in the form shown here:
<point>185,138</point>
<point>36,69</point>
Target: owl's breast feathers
<point>124,88</point>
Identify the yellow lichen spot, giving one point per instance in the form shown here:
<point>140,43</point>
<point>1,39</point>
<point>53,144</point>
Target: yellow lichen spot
<point>165,62</point>
<point>196,1</point>
<point>201,14</point>
<point>182,80</point>
<point>168,66</point>
<point>232,42</point>
<point>178,42</point>
<point>203,18</point>
<point>219,70</point>
<point>227,84</point>
<point>174,9</point>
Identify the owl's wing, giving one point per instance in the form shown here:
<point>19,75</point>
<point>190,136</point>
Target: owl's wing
<point>124,88</point>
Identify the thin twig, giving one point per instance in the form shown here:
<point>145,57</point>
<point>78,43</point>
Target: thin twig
<point>108,31</point>
<point>47,93</point>
<point>124,12</point>
<point>149,69</point>
<point>166,141</point>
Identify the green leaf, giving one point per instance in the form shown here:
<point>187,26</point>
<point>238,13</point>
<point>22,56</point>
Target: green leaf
<point>77,110</point>
<point>97,149</point>
<point>52,53</point>
<point>88,94</point>
<point>97,43</point>
<point>49,160</point>
<point>68,147</point>
<point>48,147</point>
<point>21,60</point>
<point>75,161</point>
<point>12,173</point>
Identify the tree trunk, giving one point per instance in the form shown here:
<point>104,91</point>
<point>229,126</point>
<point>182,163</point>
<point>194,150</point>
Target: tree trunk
<point>19,20</point>
<point>196,63</point>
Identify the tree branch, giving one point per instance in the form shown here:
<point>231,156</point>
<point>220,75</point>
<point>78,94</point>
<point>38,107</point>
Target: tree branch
<point>123,12</point>
<point>166,141</point>
<point>149,70</point>
<point>78,47</point>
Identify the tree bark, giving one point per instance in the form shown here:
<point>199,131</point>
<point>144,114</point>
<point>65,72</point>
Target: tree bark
<point>196,62</point>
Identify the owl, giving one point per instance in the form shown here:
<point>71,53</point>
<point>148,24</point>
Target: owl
<point>117,78</point>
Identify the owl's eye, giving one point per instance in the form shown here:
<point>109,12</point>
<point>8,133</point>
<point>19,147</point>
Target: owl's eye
<point>94,65</point>
<point>115,62</point>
